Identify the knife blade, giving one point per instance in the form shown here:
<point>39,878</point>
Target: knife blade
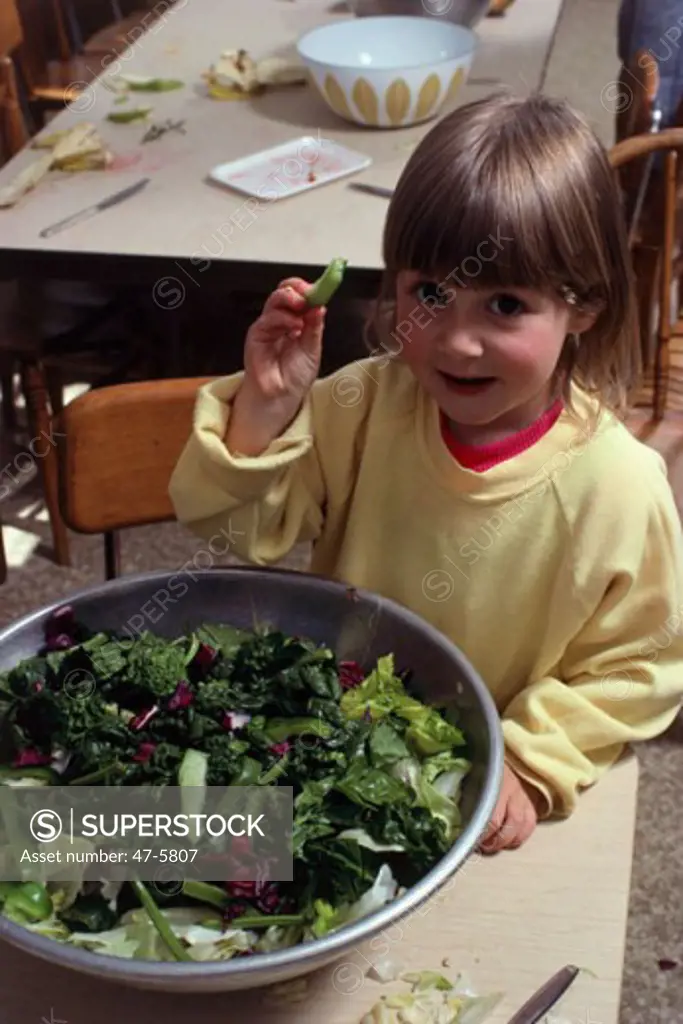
<point>374,190</point>
<point>546,997</point>
<point>90,211</point>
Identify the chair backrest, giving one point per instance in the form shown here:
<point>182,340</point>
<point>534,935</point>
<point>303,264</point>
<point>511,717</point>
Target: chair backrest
<point>14,133</point>
<point>638,87</point>
<point>46,44</point>
<point>656,248</point>
<point>118,450</point>
<point>11,34</point>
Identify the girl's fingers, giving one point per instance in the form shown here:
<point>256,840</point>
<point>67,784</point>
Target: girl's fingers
<point>272,325</point>
<point>290,294</point>
<point>312,334</point>
<point>494,827</point>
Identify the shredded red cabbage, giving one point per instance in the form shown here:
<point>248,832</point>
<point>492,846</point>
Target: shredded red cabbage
<point>350,674</point>
<point>141,720</point>
<point>144,752</point>
<point>182,697</point>
<point>30,757</point>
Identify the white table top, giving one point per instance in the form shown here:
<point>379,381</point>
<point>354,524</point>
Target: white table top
<point>180,214</point>
<point>510,921</point>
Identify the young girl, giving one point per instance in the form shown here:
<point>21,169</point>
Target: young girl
<point>478,473</point>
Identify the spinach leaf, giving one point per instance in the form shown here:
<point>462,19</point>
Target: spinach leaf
<point>89,913</point>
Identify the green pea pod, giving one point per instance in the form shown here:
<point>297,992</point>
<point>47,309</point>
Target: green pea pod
<point>28,902</point>
<point>155,85</point>
<point>126,116</point>
<point>324,288</point>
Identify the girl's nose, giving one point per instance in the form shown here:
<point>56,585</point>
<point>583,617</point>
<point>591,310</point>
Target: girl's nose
<point>462,342</point>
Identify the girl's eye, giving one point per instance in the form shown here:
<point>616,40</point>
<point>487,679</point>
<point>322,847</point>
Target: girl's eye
<point>507,305</point>
<point>430,291</point>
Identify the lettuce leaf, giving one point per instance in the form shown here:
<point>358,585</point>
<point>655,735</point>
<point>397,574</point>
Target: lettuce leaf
<point>440,797</point>
<point>382,693</point>
<point>136,937</point>
<point>360,836</point>
<point>329,919</point>
<point>372,787</point>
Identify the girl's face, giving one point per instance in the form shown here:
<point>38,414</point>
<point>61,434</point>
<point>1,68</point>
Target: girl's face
<point>486,355</point>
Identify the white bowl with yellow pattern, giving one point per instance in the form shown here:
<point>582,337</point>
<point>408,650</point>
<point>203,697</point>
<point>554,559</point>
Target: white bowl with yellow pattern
<point>388,72</point>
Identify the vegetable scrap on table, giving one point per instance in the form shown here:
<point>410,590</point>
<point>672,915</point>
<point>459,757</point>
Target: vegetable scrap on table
<point>144,83</point>
<point>128,116</point>
<point>74,149</point>
<point>155,131</point>
<point>376,777</point>
<point>236,75</point>
<point>431,998</point>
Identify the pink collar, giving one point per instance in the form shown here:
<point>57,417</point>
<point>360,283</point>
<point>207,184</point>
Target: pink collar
<point>482,457</point>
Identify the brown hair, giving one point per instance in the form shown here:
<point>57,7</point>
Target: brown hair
<point>531,175</point>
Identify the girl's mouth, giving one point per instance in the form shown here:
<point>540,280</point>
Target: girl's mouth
<point>467,385</point>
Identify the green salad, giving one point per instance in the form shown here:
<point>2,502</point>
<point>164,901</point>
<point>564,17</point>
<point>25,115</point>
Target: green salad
<point>375,775</point>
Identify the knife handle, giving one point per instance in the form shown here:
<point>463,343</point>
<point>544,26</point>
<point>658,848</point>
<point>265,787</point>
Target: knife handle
<point>76,218</point>
<point>546,997</point>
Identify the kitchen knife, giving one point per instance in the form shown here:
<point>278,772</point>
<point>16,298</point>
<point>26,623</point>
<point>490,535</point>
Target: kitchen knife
<point>90,211</point>
<point>374,190</point>
<point>546,997</point>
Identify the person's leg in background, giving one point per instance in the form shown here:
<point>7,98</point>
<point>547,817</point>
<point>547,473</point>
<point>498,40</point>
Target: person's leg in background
<point>657,27</point>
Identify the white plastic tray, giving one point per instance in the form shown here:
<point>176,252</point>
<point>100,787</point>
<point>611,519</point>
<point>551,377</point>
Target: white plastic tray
<point>291,168</point>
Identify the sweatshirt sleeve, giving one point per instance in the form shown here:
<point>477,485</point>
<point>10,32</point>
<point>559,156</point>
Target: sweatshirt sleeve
<point>621,678</point>
<point>267,503</point>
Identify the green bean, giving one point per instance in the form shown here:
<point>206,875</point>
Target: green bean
<point>324,288</point>
<point>162,926</point>
<point>206,893</point>
<point>266,920</point>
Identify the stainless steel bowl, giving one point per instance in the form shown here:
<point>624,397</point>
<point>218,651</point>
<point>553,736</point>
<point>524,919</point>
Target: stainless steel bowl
<point>356,624</point>
<point>461,12</point>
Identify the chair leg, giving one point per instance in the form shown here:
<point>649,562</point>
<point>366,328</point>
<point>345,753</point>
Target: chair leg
<point>36,398</point>
<point>9,411</point>
<point>55,390</point>
<point>645,268</point>
<point>662,366</point>
<point>3,558</point>
<point>112,555</point>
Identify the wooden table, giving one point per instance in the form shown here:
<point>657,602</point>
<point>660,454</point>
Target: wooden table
<point>184,226</point>
<point>509,921</point>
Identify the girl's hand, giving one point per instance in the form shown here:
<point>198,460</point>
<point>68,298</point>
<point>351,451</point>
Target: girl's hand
<point>282,356</point>
<point>514,818</point>
<point>283,347</point>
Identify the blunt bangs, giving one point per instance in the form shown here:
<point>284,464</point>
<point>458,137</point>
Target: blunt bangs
<point>507,192</point>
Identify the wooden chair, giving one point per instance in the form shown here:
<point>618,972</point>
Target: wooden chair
<point>52,74</point>
<point>655,228</point>
<point>656,250</point>
<point>44,365</point>
<point>118,451</point>
<point>13,136</point>
<point>123,30</point>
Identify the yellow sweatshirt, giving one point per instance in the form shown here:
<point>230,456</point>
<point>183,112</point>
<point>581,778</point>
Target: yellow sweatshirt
<point>559,572</point>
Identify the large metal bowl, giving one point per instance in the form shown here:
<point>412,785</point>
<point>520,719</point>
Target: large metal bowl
<point>356,624</point>
<point>461,12</point>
